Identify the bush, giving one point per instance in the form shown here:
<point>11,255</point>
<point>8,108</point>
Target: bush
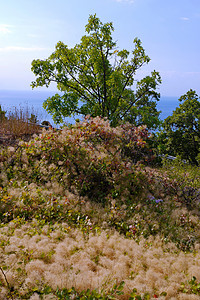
<point>91,158</point>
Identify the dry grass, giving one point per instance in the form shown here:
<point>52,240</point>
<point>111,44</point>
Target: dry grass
<point>60,257</point>
<point>16,125</point>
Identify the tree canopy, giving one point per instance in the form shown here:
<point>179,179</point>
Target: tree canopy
<point>181,130</point>
<point>95,78</point>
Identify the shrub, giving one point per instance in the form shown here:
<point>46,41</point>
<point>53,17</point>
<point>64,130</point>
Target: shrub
<point>90,157</point>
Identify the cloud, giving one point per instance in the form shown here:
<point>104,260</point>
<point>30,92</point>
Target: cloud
<point>4,28</point>
<point>184,19</point>
<point>17,48</point>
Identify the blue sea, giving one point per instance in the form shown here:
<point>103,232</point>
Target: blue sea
<point>33,100</point>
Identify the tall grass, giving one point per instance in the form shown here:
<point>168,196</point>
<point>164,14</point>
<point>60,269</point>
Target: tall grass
<point>17,123</point>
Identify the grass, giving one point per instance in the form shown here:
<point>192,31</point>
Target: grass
<point>85,215</point>
<point>16,124</point>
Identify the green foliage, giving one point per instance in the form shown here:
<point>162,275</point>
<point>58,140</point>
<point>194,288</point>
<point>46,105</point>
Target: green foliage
<point>72,293</point>
<point>116,290</point>
<point>191,287</point>
<point>181,131</point>
<point>187,180</point>
<point>135,296</point>
<point>95,78</point>
<point>65,294</point>
<point>33,119</point>
<point>2,114</point>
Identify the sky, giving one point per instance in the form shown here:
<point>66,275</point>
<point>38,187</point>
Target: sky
<point>169,31</point>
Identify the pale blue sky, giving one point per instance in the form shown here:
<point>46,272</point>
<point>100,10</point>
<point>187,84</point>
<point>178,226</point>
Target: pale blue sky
<point>169,31</point>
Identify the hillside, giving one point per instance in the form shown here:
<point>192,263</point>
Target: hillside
<point>86,215</point>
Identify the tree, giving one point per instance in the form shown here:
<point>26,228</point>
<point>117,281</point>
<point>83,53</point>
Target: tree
<point>96,78</point>
<point>181,131</point>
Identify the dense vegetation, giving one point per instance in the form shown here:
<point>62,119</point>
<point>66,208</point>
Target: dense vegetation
<point>85,215</point>
<point>95,78</point>
<point>181,131</point>
<point>94,210</point>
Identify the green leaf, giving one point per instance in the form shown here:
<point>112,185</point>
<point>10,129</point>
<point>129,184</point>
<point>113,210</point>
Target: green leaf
<point>92,83</point>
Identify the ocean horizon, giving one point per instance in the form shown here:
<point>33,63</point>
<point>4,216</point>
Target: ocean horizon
<point>33,100</point>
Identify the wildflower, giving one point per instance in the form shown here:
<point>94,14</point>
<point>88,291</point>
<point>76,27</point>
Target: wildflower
<point>158,200</point>
<point>153,199</point>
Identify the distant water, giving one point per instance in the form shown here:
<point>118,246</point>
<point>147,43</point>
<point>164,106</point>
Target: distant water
<point>34,99</point>
<point>167,105</point>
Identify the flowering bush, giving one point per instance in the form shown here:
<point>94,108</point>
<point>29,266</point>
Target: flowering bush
<point>61,176</point>
<point>90,158</point>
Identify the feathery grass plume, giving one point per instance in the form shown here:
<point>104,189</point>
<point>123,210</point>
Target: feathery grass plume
<point>78,209</point>
<point>95,263</point>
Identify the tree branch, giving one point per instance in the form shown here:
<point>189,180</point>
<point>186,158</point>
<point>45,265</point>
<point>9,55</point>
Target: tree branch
<point>132,103</point>
<point>104,76</point>
<point>125,85</point>
<point>79,69</point>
